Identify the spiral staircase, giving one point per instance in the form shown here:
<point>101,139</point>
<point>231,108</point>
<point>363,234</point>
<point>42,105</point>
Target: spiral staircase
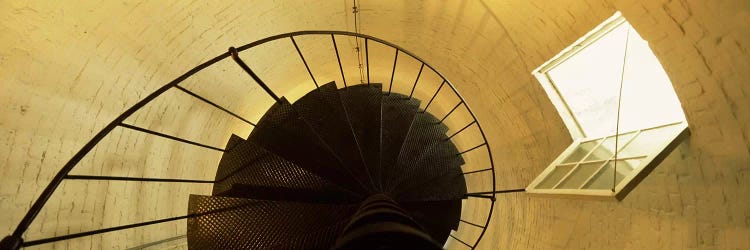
<point>360,167</point>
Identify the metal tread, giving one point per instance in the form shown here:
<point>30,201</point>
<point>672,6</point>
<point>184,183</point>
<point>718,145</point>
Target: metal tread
<point>362,106</point>
<point>426,132</point>
<point>263,223</point>
<point>398,116</point>
<point>283,132</point>
<point>253,165</point>
<point>439,160</point>
<point>323,111</point>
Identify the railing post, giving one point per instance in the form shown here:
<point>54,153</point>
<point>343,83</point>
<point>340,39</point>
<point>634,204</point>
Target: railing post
<point>213,104</point>
<point>305,62</point>
<point>433,97</point>
<point>338,58</point>
<point>393,72</point>
<point>450,112</point>
<point>238,60</point>
<point>416,80</point>
<point>367,61</point>
<point>461,130</point>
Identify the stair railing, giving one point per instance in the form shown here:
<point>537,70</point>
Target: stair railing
<point>15,240</point>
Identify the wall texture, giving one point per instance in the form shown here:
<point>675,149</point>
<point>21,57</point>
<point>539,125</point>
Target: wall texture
<point>67,69</point>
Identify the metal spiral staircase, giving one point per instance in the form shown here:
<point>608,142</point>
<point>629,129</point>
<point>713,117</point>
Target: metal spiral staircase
<point>360,167</point>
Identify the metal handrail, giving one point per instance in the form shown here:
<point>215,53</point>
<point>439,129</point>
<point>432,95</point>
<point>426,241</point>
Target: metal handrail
<point>63,173</point>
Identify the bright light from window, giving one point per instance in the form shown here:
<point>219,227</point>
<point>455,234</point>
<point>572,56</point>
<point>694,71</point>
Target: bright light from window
<point>589,83</point>
<point>609,72</point>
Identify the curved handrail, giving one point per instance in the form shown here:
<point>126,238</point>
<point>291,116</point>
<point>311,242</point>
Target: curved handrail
<point>118,121</point>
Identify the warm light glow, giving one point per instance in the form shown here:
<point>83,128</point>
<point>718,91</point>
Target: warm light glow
<point>589,82</point>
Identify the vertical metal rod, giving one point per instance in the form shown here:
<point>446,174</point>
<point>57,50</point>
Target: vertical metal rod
<point>124,125</point>
<point>367,60</point>
<point>341,68</point>
<point>475,147</point>
<point>462,242</point>
<point>433,96</point>
<point>449,112</point>
<point>499,191</point>
<point>477,171</point>
<point>460,130</point>
<point>393,72</point>
<point>481,196</point>
<point>471,223</point>
<point>238,60</point>
<point>125,178</point>
<point>213,104</point>
<point>416,80</point>
<point>304,61</point>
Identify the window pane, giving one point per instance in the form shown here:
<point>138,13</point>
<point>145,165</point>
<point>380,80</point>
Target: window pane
<point>579,175</point>
<point>555,176</point>
<point>581,151</point>
<point>648,97</point>
<point>589,83</point>
<point>606,150</point>
<point>649,141</point>
<point>603,179</point>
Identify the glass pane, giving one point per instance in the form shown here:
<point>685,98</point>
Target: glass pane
<point>606,150</point>
<point>554,176</point>
<point>581,151</point>
<point>648,97</point>
<point>579,175</point>
<point>649,141</point>
<point>603,179</point>
<point>589,83</point>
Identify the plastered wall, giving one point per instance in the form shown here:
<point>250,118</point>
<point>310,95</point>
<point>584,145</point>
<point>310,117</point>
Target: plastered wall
<point>68,68</point>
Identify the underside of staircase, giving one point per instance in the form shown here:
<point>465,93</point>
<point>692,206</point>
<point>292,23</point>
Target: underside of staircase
<point>350,168</point>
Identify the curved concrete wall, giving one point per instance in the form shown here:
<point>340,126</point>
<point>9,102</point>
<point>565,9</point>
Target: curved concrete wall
<point>67,69</point>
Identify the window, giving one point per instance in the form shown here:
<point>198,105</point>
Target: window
<point>619,106</point>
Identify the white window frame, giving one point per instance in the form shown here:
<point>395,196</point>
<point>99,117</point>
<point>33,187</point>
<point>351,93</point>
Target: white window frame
<point>542,72</point>
<point>648,161</point>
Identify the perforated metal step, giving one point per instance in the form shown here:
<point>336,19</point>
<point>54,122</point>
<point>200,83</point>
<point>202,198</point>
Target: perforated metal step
<point>234,223</point>
<point>323,111</point>
<point>440,160</point>
<point>283,132</point>
<point>247,163</point>
<point>306,195</point>
<point>397,118</point>
<point>450,186</point>
<point>362,106</point>
<point>426,132</point>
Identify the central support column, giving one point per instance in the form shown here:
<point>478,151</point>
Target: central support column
<point>380,223</point>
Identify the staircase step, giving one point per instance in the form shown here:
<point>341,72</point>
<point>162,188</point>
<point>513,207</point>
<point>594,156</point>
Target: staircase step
<point>362,106</point>
<point>247,163</point>
<point>235,223</point>
<point>440,160</point>
<point>323,111</point>
<point>398,112</point>
<point>283,132</point>
<point>230,162</point>
<point>306,195</point>
<point>446,187</point>
<point>426,132</point>
<point>438,217</point>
